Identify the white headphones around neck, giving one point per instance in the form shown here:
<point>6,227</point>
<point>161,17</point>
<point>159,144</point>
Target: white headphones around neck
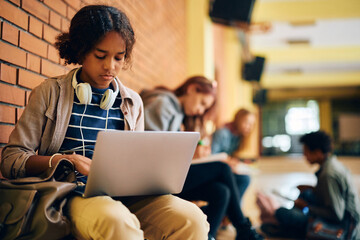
<point>84,93</point>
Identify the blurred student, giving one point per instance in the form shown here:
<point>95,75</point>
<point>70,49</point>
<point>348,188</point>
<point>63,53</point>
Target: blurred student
<point>334,198</point>
<point>186,108</point>
<point>232,137</point>
<point>63,117</point>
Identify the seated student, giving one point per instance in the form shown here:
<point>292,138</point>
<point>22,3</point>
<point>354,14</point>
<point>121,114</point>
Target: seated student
<point>64,115</point>
<point>185,108</point>
<point>232,137</point>
<point>334,198</point>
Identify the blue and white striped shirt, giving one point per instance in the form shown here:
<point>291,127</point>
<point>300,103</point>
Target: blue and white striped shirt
<point>87,120</point>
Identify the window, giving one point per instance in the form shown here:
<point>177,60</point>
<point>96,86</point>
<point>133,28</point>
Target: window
<point>285,122</point>
<point>301,120</point>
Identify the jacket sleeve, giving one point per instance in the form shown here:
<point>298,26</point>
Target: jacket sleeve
<point>25,139</point>
<point>160,115</point>
<point>140,119</point>
<point>134,105</point>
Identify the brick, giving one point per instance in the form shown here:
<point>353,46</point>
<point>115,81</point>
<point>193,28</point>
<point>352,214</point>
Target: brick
<point>50,34</point>
<point>10,33</point>
<point>50,69</point>
<point>5,133</point>
<point>35,27</point>
<point>62,61</point>
<point>8,73</point>
<point>13,14</point>
<point>55,20</point>
<point>12,54</point>
<point>70,13</point>
<point>19,112</point>
<point>7,114</point>
<point>33,44</point>
<point>17,2</point>
<point>28,79</point>
<point>76,4</point>
<point>57,5</point>
<point>87,2</point>
<point>12,94</point>
<point>37,9</point>
<point>65,25</point>
<point>33,62</point>
<point>53,54</point>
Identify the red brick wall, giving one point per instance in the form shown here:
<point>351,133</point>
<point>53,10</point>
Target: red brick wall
<point>27,55</point>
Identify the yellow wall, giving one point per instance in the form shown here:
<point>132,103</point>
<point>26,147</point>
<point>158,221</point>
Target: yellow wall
<point>238,92</point>
<point>325,116</point>
<point>199,39</point>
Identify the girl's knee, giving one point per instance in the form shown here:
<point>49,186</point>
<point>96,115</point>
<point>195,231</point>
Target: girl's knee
<point>243,179</point>
<point>188,220</point>
<point>222,191</point>
<point>194,222</point>
<point>224,165</point>
<point>281,213</point>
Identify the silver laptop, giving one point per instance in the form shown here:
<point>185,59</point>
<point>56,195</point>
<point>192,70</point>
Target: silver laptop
<point>127,163</point>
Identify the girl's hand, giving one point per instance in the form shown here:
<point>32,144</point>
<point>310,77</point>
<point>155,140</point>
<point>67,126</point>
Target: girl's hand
<point>82,164</point>
<point>37,164</point>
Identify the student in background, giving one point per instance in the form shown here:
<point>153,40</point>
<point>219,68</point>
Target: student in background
<point>64,115</point>
<point>186,108</point>
<point>334,198</point>
<point>232,137</point>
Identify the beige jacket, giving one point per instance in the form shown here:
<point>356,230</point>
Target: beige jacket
<point>43,124</point>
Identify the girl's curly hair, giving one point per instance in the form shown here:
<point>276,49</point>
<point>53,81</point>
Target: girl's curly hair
<point>88,27</point>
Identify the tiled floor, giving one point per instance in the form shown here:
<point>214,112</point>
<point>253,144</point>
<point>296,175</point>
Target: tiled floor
<point>282,175</point>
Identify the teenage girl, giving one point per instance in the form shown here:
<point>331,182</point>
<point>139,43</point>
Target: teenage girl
<point>185,108</point>
<point>233,136</point>
<point>63,117</point>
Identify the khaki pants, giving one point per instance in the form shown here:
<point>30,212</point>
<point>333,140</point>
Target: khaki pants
<point>153,218</point>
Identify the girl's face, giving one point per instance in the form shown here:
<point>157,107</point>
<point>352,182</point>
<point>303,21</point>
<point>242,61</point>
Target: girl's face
<point>246,125</point>
<point>196,103</point>
<point>104,62</point>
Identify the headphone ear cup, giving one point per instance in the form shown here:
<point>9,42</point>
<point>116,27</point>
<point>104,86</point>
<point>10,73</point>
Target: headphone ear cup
<point>108,99</point>
<point>83,93</point>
